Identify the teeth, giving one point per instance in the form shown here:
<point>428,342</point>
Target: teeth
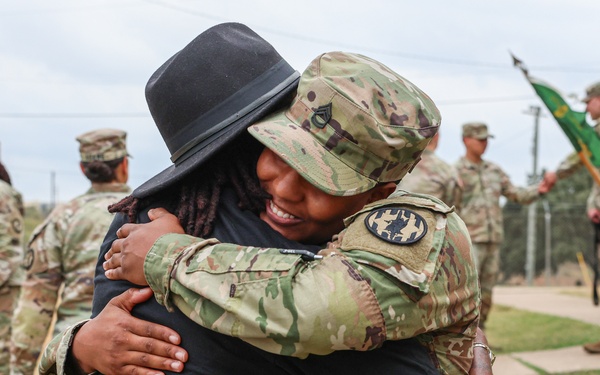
<point>280,213</point>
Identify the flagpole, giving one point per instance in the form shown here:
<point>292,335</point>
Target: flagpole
<point>593,171</point>
<point>583,151</point>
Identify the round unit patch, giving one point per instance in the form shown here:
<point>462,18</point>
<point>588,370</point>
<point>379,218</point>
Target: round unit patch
<point>396,225</point>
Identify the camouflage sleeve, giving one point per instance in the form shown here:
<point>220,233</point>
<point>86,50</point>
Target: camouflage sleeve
<point>39,294</point>
<point>274,301</point>
<point>455,191</point>
<point>364,291</point>
<point>521,195</point>
<point>567,167</point>
<point>593,200</point>
<point>11,238</point>
<point>54,358</point>
<point>11,257</point>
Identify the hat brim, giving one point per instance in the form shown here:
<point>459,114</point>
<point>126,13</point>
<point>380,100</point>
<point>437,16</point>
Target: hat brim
<point>300,150</point>
<point>213,144</point>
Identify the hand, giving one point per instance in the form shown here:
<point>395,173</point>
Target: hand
<point>115,342</point>
<point>125,259</point>
<point>547,183</point>
<point>594,215</point>
<point>482,365</point>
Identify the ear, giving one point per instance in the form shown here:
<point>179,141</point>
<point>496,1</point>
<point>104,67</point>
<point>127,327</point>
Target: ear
<point>122,171</point>
<point>382,191</point>
<point>81,167</point>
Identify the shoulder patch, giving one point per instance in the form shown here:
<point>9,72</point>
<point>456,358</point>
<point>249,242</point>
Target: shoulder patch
<point>396,225</point>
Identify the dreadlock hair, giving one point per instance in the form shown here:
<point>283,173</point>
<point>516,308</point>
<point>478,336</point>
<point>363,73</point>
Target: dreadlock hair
<point>197,196</point>
<point>4,176</point>
<point>101,171</point>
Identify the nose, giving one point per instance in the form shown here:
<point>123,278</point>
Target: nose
<point>288,185</point>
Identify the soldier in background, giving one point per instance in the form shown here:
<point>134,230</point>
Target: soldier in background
<point>483,185</point>
<point>63,250</point>
<point>435,177</point>
<point>11,257</point>
<point>571,164</point>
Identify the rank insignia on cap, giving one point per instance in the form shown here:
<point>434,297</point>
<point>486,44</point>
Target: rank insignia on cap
<point>396,225</point>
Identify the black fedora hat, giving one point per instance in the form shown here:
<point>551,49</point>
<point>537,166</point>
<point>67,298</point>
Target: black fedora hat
<point>224,80</point>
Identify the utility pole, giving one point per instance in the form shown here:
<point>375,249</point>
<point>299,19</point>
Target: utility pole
<point>548,251</point>
<point>533,178</point>
<point>52,190</point>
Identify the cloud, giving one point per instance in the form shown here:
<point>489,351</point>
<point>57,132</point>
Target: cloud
<point>94,58</point>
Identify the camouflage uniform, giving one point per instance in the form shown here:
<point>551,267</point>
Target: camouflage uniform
<point>570,165</point>
<point>62,252</point>
<point>11,257</point>
<point>483,185</point>
<point>364,291</point>
<point>403,267</point>
<point>435,177</point>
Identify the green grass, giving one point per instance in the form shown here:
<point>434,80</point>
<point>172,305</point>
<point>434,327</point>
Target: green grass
<point>512,330</point>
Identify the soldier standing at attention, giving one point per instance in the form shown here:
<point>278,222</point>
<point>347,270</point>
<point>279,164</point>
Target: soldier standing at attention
<point>483,185</point>
<point>63,250</point>
<point>434,176</point>
<point>11,256</point>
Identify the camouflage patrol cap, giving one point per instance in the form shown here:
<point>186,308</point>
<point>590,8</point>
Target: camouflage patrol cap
<point>477,130</point>
<point>591,92</point>
<point>102,145</point>
<point>353,124</point>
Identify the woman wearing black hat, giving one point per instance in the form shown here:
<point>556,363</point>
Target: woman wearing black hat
<point>198,114</point>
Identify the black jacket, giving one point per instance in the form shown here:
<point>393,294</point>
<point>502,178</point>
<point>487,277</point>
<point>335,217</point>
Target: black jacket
<point>216,354</point>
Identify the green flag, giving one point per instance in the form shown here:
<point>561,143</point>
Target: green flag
<point>581,135</point>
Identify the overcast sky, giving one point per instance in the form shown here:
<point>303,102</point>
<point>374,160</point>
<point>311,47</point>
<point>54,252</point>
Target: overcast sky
<point>69,66</point>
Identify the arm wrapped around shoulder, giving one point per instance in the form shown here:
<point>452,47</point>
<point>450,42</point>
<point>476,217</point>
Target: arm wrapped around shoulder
<point>397,271</point>
<point>277,302</point>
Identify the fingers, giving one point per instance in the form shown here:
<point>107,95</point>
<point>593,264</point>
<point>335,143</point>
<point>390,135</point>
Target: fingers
<point>113,261</point>
<point>127,300</point>
<point>114,273</point>
<point>165,222</point>
<point>131,297</point>
<point>142,363</point>
<point>157,213</point>
<point>124,230</point>
<point>115,247</point>
<point>115,342</point>
<point>153,356</point>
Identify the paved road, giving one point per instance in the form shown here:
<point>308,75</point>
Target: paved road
<point>569,302</point>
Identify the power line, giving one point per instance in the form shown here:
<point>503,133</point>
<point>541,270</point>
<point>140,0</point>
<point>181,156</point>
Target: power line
<point>433,59</point>
<point>72,115</point>
<point>85,8</point>
<point>484,100</point>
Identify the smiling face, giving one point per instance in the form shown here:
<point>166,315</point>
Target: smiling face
<point>300,211</point>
